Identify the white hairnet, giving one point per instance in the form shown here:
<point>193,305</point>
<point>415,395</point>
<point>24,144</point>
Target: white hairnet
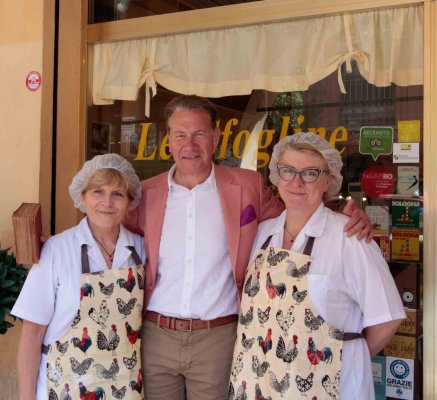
<point>322,146</point>
<point>111,160</point>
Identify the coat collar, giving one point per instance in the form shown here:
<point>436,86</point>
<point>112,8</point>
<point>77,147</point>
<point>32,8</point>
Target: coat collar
<point>156,201</point>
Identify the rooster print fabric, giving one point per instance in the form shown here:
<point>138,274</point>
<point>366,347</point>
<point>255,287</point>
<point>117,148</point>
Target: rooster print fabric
<point>99,357</point>
<point>284,348</point>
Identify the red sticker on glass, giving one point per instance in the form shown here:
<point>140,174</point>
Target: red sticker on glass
<point>33,81</point>
<point>377,180</point>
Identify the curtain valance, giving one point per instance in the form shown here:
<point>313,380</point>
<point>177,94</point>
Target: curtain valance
<point>386,44</point>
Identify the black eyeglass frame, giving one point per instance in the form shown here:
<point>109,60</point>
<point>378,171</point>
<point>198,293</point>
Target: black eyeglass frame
<point>304,179</point>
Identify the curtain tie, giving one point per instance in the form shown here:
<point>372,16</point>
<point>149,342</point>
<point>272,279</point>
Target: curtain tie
<point>359,56</point>
<point>150,86</point>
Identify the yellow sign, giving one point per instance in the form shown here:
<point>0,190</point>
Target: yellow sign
<point>405,244</point>
<point>239,144</point>
<point>409,131</point>
<point>410,325</point>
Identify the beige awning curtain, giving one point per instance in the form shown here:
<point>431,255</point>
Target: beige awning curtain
<point>387,45</point>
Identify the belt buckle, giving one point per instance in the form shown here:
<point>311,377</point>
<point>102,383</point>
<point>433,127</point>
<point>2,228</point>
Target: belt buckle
<point>190,329</point>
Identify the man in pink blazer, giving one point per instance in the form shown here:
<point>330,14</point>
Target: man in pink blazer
<point>199,221</point>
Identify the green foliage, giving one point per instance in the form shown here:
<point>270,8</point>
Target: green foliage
<point>286,104</point>
<point>12,277</point>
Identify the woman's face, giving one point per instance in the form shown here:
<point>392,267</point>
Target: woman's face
<point>106,205</point>
<point>298,194</point>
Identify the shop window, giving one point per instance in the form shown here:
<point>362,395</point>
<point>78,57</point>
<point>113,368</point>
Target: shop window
<point>377,128</point>
<point>113,10</point>
<point>389,189</point>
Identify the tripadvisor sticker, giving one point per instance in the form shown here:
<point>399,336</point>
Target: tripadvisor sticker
<point>376,140</point>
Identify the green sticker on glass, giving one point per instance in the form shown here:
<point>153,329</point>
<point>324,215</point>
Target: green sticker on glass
<point>376,140</point>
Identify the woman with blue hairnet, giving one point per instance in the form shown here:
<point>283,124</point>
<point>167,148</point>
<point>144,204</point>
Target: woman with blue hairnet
<point>316,304</point>
<point>82,302</point>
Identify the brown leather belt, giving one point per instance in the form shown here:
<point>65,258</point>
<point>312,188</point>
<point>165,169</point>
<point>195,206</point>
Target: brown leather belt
<point>178,324</point>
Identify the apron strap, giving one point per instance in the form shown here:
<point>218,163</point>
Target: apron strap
<point>84,259</point>
<point>352,336</point>
<point>267,242</point>
<point>309,246</point>
<point>44,349</point>
<point>135,255</point>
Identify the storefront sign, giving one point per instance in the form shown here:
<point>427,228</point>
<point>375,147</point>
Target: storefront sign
<point>409,131</point>
<point>377,180</point>
<point>408,179</point>
<point>405,153</point>
<point>236,143</point>
<point>405,213</point>
<point>376,140</point>
<point>400,378</point>
<point>405,244</point>
<point>33,81</point>
<point>379,217</point>
<point>378,372</point>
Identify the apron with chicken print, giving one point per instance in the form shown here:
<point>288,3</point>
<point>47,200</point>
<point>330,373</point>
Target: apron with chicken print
<point>284,348</point>
<point>99,356</point>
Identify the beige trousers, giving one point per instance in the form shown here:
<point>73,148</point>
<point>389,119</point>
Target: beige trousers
<point>181,365</point>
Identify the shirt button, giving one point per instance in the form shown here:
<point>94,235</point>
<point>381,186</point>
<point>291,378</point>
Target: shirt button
<point>190,238</point>
<point>190,215</point>
<point>187,284</point>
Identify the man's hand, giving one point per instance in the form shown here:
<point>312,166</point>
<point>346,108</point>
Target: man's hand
<point>359,222</point>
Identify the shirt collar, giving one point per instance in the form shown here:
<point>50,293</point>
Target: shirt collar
<point>84,235</point>
<point>122,253</point>
<point>209,183</point>
<point>314,227</point>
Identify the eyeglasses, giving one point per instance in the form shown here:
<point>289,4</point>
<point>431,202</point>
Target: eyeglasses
<point>307,175</point>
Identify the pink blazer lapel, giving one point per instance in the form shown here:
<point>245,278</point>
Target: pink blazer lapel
<point>155,208</point>
<point>230,199</point>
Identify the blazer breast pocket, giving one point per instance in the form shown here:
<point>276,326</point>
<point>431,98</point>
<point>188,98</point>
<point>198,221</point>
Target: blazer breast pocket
<point>248,215</point>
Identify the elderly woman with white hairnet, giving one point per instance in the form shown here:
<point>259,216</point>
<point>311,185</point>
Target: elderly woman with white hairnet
<point>316,304</point>
<point>81,304</point>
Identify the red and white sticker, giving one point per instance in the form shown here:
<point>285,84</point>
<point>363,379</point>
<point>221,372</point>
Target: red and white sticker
<point>33,81</point>
<point>377,180</point>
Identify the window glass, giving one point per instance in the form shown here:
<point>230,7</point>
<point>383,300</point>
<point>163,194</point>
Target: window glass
<point>378,131</point>
<point>113,10</point>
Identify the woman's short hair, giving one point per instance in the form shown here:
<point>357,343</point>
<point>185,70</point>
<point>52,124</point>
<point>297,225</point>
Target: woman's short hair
<point>310,142</point>
<point>109,176</point>
<point>103,170</point>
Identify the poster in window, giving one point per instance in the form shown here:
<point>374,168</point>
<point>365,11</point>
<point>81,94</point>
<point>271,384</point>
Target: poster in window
<point>405,244</point>
<point>100,137</point>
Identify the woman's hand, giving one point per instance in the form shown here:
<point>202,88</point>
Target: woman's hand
<point>359,222</point>
<point>29,358</point>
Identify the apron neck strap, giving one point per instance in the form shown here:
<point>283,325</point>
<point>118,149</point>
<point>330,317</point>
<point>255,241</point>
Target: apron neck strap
<point>307,250</point>
<point>267,242</point>
<point>309,246</point>
<point>84,259</point>
<point>135,255</point>
<point>86,263</point>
